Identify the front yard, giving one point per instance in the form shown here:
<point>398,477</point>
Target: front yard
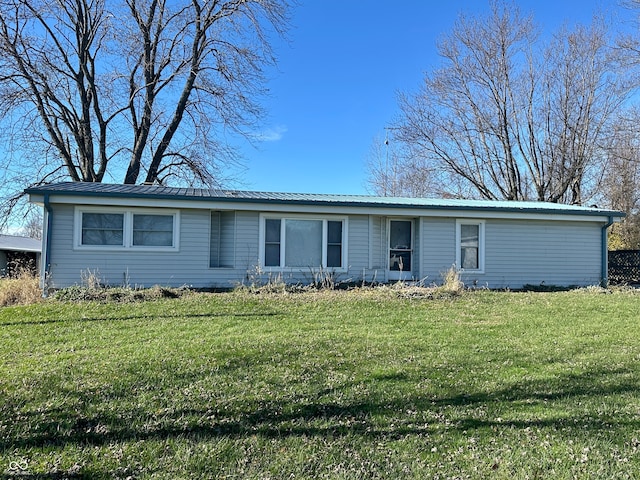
<point>356,384</point>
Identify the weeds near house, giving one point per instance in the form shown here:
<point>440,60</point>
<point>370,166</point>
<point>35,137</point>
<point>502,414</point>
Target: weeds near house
<point>323,279</point>
<point>91,279</point>
<point>451,286</point>
<point>23,288</point>
<point>258,281</point>
<point>80,293</point>
<point>93,289</point>
<point>451,280</point>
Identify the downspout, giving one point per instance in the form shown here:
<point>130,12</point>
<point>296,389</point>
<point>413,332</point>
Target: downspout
<point>46,260</point>
<point>604,273</point>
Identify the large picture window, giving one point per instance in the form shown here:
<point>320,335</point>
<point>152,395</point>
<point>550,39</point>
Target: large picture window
<point>303,246</point>
<point>301,243</point>
<point>103,228</point>
<point>470,245</point>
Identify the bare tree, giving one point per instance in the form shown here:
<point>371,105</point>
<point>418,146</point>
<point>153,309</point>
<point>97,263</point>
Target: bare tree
<point>383,169</point>
<point>510,119</point>
<point>33,226</point>
<point>621,181</point>
<point>391,173</point>
<point>133,90</point>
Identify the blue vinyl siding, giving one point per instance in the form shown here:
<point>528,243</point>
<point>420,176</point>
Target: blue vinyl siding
<point>517,252</point>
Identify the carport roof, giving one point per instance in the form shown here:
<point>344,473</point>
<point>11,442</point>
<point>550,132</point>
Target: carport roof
<point>15,243</point>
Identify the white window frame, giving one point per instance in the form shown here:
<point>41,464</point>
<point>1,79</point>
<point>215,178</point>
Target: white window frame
<point>324,219</point>
<point>127,232</point>
<point>481,244</point>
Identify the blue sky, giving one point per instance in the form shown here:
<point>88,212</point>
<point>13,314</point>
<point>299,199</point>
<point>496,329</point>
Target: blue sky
<point>337,79</point>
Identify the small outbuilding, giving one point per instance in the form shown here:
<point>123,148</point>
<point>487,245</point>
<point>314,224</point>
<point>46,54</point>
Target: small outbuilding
<point>145,235</point>
<point>18,254</point>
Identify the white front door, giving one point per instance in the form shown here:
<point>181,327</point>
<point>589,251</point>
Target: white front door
<point>400,249</point>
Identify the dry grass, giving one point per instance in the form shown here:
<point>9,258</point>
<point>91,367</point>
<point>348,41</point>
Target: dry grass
<point>23,289</point>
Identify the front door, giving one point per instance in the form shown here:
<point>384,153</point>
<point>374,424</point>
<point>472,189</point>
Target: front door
<point>400,249</point>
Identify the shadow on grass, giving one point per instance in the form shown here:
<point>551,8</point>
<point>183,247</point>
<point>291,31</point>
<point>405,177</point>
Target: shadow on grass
<point>319,414</point>
<point>137,317</point>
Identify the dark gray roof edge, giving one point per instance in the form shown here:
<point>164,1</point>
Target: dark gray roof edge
<point>79,189</point>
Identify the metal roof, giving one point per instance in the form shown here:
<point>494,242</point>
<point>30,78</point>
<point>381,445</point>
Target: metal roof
<point>19,244</point>
<point>85,189</point>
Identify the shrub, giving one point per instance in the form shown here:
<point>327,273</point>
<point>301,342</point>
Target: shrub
<point>94,289</point>
<point>82,293</point>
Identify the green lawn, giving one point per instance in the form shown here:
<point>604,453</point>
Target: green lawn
<point>326,385</point>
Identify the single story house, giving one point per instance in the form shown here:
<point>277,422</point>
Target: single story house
<point>145,235</point>
<point>18,253</point>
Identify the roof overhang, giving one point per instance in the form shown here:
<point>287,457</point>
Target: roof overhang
<point>166,197</point>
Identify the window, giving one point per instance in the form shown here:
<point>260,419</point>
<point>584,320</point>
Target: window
<point>272,242</point>
<point>153,230</point>
<point>103,228</point>
<point>223,241</point>
<point>302,243</point>
<point>470,245</point>
<point>334,244</point>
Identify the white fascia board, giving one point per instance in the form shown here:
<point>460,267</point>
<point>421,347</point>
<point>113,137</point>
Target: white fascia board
<point>37,199</point>
<point>324,209</point>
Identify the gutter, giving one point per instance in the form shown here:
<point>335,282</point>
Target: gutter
<point>46,258</point>
<point>604,273</point>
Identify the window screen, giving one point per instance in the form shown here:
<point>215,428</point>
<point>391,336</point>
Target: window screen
<point>222,249</point>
